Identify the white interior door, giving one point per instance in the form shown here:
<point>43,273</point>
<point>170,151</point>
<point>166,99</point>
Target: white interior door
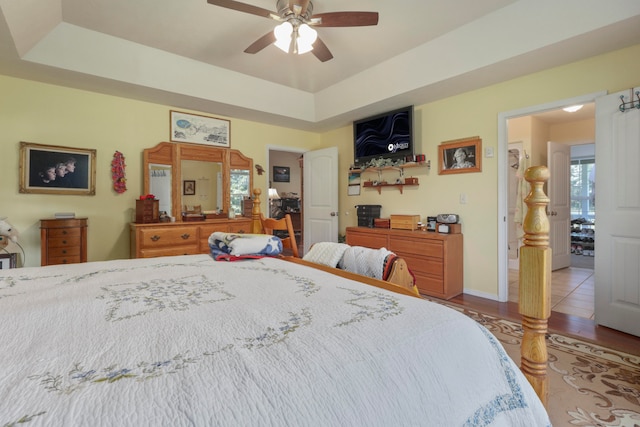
<point>617,250</point>
<point>559,211</point>
<point>320,196</point>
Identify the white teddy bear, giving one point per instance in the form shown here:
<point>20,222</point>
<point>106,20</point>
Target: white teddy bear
<point>8,230</point>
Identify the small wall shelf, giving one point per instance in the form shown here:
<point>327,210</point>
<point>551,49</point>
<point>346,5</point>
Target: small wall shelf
<point>381,183</point>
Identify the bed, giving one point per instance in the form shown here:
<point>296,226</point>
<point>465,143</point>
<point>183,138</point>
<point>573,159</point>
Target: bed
<point>188,340</point>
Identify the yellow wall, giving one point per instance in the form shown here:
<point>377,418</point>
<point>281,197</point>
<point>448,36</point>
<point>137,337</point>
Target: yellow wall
<point>55,115</point>
<point>476,113</point>
<point>49,114</point>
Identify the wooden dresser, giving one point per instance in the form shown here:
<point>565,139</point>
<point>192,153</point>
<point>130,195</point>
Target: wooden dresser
<point>435,259</point>
<point>180,238</point>
<point>63,241</point>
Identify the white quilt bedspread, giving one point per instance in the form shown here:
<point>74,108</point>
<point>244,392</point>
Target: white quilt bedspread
<point>182,341</point>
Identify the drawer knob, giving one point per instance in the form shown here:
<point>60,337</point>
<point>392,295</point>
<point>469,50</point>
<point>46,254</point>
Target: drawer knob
<point>64,231</point>
<point>64,251</point>
<point>185,236</point>
<point>64,242</point>
<point>155,237</point>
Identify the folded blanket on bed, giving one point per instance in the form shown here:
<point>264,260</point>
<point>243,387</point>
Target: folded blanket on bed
<point>365,261</point>
<point>232,246</point>
<point>326,253</point>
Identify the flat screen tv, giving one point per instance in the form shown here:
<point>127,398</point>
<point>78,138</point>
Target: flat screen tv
<point>388,135</point>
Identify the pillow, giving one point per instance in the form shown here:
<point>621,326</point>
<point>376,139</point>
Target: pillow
<point>326,253</point>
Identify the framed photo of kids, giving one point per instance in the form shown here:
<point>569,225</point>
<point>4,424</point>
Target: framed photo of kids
<point>52,169</point>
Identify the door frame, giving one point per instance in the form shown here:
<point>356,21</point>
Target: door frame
<point>269,149</point>
<point>503,188</point>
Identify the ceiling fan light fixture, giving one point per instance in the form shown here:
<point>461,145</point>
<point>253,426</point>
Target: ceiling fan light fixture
<point>306,38</point>
<point>283,36</point>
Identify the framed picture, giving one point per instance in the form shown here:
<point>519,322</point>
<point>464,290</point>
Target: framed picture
<point>460,156</point>
<point>8,261</point>
<point>281,173</point>
<point>198,129</point>
<point>188,188</point>
<point>51,169</point>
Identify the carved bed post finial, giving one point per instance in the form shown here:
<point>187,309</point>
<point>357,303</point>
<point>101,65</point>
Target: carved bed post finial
<point>256,224</point>
<point>535,283</point>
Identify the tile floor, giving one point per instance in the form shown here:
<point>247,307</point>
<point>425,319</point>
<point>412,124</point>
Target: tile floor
<point>572,291</point>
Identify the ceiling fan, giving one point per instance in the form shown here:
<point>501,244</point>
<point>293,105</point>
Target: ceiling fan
<point>295,34</point>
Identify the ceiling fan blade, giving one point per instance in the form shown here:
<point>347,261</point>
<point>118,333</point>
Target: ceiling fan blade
<point>261,43</point>
<point>345,19</point>
<point>321,51</point>
<point>243,7</point>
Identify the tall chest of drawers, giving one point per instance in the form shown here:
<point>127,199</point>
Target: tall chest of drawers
<point>435,259</point>
<point>63,241</point>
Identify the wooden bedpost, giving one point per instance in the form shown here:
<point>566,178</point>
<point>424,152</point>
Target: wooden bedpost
<point>256,224</point>
<point>535,283</point>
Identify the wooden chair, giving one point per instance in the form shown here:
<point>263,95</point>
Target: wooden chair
<point>269,225</point>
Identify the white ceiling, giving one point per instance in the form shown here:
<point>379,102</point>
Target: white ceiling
<point>189,54</point>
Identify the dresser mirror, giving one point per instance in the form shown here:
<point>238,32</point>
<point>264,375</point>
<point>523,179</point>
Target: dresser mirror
<point>197,179</point>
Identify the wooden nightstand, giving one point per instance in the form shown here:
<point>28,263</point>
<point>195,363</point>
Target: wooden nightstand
<point>63,241</point>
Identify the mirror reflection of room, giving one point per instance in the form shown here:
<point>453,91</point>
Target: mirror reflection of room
<point>208,186</point>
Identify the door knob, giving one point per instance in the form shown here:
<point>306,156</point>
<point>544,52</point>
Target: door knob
<point>334,214</point>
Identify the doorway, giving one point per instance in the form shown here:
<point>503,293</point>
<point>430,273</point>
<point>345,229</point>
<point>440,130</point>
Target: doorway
<point>506,275</point>
<point>285,192</point>
<point>573,287</point>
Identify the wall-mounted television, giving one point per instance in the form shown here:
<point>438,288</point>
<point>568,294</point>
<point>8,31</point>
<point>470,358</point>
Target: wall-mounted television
<point>388,135</point>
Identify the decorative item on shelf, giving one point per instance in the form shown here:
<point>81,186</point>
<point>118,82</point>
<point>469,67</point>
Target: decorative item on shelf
<point>411,181</point>
<point>118,173</point>
<point>147,209</point>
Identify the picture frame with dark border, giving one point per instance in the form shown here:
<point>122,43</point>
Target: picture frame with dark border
<point>8,260</point>
<point>198,129</point>
<point>281,173</point>
<point>460,156</point>
<point>188,187</point>
<point>53,169</point>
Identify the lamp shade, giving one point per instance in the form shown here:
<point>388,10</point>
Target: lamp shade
<point>273,194</point>
<point>306,37</point>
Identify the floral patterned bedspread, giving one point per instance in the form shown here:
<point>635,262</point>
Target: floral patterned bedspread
<point>191,341</point>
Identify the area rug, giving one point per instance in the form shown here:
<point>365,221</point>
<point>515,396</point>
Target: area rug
<point>589,385</point>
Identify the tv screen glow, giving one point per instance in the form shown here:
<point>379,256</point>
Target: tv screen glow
<point>387,135</point>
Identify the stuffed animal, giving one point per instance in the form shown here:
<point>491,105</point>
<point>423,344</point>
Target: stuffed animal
<point>8,230</point>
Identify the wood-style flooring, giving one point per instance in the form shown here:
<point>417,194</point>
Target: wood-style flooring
<point>572,309</point>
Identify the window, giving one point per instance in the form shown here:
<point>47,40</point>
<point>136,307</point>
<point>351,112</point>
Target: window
<point>583,188</point>
<point>239,189</point>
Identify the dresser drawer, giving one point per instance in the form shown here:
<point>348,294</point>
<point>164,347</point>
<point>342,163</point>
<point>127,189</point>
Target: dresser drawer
<point>174,236</point>
<point>63,232</point>
<point>63,242</point>
<point>175,250</point>
<point>240,227</point>
<point>64,251</point>
<point>433,267</point>
<point>430,248</point>
<point>372,241</point>
<point>429,285</point>
<point>56,260</point>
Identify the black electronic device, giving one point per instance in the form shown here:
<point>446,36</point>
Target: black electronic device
<point>388,135</point>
